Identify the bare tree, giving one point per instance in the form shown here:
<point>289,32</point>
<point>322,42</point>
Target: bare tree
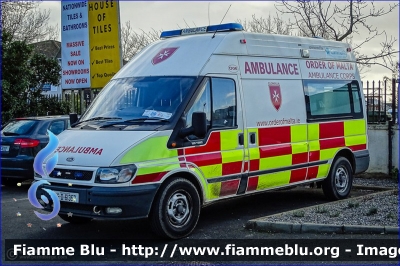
<point>341,21</point>
<point>274,25</point>
<point>132,42</point>
<point>24,21</point>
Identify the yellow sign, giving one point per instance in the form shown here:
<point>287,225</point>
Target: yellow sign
<point>104,41</point>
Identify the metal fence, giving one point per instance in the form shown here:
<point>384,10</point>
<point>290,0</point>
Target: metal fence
<point>381,101</point>
<point>74,98</point>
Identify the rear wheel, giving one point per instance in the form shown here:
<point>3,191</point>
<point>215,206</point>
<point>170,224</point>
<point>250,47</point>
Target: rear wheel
<point>340,180</point>
<point>74,219</point>
<point>176,209</point>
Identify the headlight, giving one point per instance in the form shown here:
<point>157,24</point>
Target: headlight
<point>117,174</point>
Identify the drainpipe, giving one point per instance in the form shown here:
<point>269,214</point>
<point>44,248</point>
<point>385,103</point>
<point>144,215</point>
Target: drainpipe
<point>391,124</point>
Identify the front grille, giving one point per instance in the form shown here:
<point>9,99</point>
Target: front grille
<point>71,174</point>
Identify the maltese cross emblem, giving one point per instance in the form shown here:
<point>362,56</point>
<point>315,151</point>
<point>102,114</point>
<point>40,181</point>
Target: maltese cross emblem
<point>163,55</point>
<point>275,95</point>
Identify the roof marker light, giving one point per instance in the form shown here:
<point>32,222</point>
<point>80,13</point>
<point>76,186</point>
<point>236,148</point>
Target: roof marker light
<point>205,29</point>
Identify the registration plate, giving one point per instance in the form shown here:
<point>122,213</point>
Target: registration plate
<point>67,196</point>
<point>5,148</point>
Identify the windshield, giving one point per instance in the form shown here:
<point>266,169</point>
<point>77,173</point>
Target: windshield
<point>141,97</point>
<point>18,127</point>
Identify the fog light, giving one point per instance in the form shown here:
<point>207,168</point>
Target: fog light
<point>113,210</point>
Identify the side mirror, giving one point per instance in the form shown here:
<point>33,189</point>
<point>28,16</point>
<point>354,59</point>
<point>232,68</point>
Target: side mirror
<point>198,128</point>
<point>199,124</point>
<point>73,118</point>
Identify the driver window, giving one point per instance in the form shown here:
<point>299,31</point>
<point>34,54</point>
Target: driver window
<point>224,103</point>
<point>218,100</point>
<point>201,104</point>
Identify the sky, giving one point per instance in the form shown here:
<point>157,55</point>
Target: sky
<point>166,15</point>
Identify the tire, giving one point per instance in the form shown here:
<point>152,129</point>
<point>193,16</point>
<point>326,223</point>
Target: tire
<point>339,181</point>
<point>75,219</point>
<point>176,209</point>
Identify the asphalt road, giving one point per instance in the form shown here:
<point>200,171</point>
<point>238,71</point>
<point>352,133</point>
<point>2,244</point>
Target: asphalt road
<point>224,220</point>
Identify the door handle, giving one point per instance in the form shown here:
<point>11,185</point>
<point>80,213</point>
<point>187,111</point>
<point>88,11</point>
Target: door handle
<point>252,138</point>
<point>241,139</point>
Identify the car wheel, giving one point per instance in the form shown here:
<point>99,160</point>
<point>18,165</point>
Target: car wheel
<point>339,181</point>
<point>74,219</point>
<point>176,209</point>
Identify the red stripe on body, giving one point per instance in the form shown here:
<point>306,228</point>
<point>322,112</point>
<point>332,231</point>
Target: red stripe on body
<point>298,175</point>
<point>232,168</point>
<point>332,143</point>
<point>300,158</point>
<point>229,187</point>
<point>359,147</point>
<point>312,172</point>
<point>155,177</point>
<point>181,152</point>
<point>254,165</point>
<point>246,166</point>
<point>181,157</point>
<point>213,144</point>
<point>205,159</point>
<point>272,151</point>
<point>331,130</point>
<point>314,156</point>
<point>252,183</point>
<point>274,135</point>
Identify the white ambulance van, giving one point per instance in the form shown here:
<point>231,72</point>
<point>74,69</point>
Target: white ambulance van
<point>211,113</point>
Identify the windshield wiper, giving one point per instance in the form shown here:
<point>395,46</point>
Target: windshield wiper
<point>96,118</point>
<point>143,119</point>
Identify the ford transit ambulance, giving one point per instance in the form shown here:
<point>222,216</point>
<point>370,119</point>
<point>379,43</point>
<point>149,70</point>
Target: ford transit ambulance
<point>211,113</point>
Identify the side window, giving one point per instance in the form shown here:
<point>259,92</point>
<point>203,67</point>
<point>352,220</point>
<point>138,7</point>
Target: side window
<point>224,103</point>
<point>57,127</point>
<point>218,100</point>
<point>332,99</point>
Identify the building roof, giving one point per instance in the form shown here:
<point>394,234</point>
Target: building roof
<point>50,48</point>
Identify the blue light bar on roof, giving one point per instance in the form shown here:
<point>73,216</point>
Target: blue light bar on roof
<point>205,29</point>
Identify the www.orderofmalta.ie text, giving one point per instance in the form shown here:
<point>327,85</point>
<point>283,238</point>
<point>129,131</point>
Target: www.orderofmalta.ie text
<point>277,122</point>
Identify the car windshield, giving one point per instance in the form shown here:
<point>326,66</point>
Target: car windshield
<point>139,98</point>
<point>18,127</point>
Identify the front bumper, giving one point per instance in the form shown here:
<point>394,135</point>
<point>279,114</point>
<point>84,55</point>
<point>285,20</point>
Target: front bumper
<point>135,201</point>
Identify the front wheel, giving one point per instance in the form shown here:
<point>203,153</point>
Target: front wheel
<point>339,181</point>
<point>176,209</point>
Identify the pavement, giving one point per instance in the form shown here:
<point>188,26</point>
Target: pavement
<point>260,224</point>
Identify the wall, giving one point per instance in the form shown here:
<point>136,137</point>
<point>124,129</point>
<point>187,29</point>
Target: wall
<point>379,149</point>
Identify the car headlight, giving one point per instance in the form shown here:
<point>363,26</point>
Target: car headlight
<point>114,175</point>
